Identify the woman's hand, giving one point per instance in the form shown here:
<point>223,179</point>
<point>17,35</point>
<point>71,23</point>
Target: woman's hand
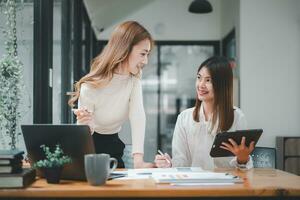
<point>241,151</point>
<point>138,161</point>
<point>85,117</point>
<point>163,161</point>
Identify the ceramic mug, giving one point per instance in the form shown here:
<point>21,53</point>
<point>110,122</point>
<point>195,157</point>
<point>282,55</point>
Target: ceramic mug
<point>97,167</point>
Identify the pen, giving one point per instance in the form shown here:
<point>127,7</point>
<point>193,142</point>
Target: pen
<point>74,109</point>
<point>161,153</point>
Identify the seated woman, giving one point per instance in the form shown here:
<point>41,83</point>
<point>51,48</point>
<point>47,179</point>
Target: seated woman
<point>213,113</point>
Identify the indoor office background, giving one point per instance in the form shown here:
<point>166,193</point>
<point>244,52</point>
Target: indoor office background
<point>58,39</point>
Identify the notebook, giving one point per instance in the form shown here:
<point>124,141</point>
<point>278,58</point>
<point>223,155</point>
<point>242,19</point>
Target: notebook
<point>11,168</point>
<point>11,154</point>
<point>18,180</point>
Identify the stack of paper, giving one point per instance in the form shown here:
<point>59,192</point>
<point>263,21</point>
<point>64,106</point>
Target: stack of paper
<point>146,173</point>
<point>188,176</point>
<point>149,171</point>
<point>195,177</point>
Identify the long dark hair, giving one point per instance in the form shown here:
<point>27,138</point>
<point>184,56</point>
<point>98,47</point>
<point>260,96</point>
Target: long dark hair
<point>222,81</point>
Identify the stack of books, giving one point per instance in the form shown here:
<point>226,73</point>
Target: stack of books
<point>11,161</point>
<point>12,174</point>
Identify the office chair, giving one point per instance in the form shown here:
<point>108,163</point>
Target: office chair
<point>127,158</point>
<point>264,157</point>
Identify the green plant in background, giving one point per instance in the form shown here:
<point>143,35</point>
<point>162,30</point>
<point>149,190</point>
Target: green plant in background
<point>11,69</point>
<point>53,159</point>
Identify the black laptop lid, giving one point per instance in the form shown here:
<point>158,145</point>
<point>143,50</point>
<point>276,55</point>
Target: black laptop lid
<point>75,140</point>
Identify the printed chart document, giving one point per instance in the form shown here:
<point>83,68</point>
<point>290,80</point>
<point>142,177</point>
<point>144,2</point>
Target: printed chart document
<point>146,173</point>
<point>150,171</point>
<point>180,176</point>
<point>195,177</point>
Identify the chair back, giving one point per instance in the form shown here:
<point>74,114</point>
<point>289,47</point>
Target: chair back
<point>127,156</point>
<point>264,157</point>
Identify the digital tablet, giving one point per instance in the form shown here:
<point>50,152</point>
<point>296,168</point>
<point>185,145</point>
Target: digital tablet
<point>250,135</point>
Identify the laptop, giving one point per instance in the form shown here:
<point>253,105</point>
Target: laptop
<point>75,140</point>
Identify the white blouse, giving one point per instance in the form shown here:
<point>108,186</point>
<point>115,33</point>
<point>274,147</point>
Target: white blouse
<point>113,104</point>
<point>192,141</point>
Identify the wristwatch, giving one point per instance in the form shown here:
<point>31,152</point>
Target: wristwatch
<point>241,166</point>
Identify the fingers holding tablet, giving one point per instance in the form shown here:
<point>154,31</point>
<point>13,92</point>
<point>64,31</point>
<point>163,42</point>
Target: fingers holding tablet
<point>241,142</point>
<point>241,151</point>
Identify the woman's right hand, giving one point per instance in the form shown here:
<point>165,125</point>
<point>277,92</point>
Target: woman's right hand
<point>85,117</point>
<point>163,161</point>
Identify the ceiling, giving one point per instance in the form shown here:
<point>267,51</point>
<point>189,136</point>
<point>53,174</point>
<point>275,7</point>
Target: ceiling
<point>106,13</point>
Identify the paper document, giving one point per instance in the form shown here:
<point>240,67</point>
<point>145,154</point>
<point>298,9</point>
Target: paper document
<point>117,175</point>
<point>195,177</point>
<point>149,171</point>
<point>146,173</point>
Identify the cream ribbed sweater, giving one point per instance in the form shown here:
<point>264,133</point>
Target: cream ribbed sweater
<point>113,104</point>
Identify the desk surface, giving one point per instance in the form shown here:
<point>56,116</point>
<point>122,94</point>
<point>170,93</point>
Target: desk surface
<point>257,182</point>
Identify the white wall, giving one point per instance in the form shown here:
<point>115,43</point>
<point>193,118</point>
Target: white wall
<point>270,66</point>
<point>170,20</point>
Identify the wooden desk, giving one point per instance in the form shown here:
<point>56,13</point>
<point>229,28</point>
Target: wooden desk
<point>263,183</point>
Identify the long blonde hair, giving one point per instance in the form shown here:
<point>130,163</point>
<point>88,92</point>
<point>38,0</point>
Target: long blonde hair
<point>124,37</point>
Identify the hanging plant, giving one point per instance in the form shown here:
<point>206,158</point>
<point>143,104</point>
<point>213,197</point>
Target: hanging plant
<point>11,69</point>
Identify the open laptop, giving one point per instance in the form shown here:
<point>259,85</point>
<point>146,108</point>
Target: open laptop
<point>75,140</point>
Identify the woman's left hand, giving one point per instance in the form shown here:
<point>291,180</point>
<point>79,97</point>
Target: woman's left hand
<point>241,151</point>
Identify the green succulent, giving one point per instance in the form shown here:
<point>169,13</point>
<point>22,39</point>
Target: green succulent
<point>53,159</point>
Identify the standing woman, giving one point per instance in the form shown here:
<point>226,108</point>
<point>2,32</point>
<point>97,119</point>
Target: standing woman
<point>213,113</point>
<point>112,92</point>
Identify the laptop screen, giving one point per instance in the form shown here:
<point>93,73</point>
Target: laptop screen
<point>75,141</point>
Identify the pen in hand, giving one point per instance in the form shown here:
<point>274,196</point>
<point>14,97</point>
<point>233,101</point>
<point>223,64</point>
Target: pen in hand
<point>76,109</point>
<point>161,153</point>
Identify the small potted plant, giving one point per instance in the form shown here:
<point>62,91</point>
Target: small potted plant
<point>53,164</point>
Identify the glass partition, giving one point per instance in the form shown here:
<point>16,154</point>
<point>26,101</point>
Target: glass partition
<point>179,64</point>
